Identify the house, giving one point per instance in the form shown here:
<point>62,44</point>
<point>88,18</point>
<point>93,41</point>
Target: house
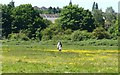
<point>36,7</point>
<point>51,17</point>
<point>43,8</point>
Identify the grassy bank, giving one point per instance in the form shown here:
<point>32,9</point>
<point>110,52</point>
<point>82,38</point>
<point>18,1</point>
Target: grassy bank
<point>67,44</point>
<point>43,57</point>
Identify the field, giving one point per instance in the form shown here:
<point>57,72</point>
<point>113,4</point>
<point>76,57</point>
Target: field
<point>39,57</point>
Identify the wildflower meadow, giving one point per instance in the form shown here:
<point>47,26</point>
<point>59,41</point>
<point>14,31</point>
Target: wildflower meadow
<point>40,58</point>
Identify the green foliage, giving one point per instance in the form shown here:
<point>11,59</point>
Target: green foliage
<point>47,34</point>
<point>50,10</point>
<point>50,31</point>
<point>38,11</point>
<point>22,19</point>
<point>28,21</point>
<point>6,19</point>
<point>110,17</point>
<point>95,6</point>
<point>46,37</point>
<point>61,37</point>
<point>98,16</point>
<point>90,44</point>
<point>113,30</point>
<point>18,36</point>
<point>54,32</point>
<point>74,18</point>
<point>80,35</point>
<point>11,4</point>
<point>110,14</point>
<point>33,57</point>
<point>43,58</point>
<point>68,31</point>
<point>100,33</point>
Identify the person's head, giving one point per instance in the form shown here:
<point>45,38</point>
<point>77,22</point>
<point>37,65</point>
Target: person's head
<point>60,43</point>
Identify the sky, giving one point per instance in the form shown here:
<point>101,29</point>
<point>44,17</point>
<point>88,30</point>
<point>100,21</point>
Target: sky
<point>86,4</point>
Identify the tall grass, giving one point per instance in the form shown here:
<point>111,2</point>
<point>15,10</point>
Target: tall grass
<point>51,44</point>
<point>92,56</point>
<point>36,60</point>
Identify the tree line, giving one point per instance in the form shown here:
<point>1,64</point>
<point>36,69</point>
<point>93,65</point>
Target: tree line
<point>74,23</point>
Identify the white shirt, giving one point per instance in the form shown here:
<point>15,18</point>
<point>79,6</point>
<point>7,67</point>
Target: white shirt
<point>59,46</point>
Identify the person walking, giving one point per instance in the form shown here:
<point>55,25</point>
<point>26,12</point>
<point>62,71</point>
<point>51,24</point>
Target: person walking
<point>59,46</point>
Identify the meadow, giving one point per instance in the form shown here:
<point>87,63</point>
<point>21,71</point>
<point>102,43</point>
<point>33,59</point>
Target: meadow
<point>75,57</point>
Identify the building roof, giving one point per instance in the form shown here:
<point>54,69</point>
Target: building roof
<point>51,17</point>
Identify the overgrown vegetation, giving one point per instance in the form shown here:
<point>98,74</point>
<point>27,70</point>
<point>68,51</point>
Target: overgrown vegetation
<point>42,57</point>
<point>89,40</point>
<point>74,23</point>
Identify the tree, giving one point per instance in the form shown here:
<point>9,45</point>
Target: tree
<point>80,35</point>
<point>6,20</point>
<point>98,16</point>
<point>50,10</point>
<point>95,6</point>
<point>113,30</point>
<point>100,33</point>
<point>70,2</point>
<point>110,17</point>
<point>73,17</point>
<point>50,31</point>
<point>27,20</point>
<point>54,10</point>
<point>11,4</point>
<point>58,10</point>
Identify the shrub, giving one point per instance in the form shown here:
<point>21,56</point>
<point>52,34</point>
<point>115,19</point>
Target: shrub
<point>113,30</point>
<point>100,33</point>
<point>18,36</point>
<point>80,35</point>
<point>47,34</point>
<point>61,37</point>
<point>46,37</point>
<point>68,31</point>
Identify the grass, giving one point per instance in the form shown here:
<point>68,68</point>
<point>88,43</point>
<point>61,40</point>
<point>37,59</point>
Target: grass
<point>40,57</point>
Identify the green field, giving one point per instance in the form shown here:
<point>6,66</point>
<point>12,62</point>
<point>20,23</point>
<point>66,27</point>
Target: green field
<point>43,57</point>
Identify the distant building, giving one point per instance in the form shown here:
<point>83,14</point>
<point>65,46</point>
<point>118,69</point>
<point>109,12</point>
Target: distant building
<point>40,8</point>
<point>51,17</point>
<point>36,7</point>
<point>43,8</point>
<point>12,3</point>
